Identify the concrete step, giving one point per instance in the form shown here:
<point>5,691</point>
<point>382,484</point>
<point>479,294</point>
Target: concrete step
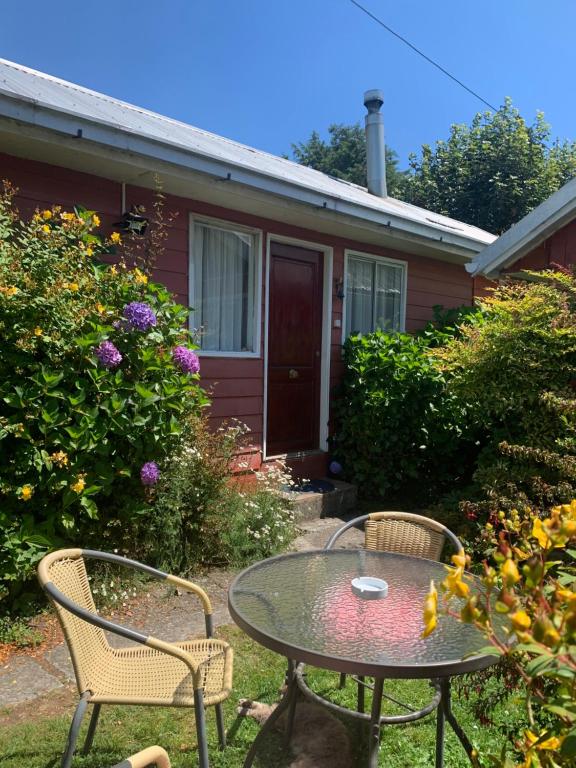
<point>314,505</point>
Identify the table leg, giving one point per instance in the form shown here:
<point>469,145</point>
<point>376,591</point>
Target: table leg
<point>374,735</point>
<point>440,720</point>
<point>445,711</point>
<point>285,703</point>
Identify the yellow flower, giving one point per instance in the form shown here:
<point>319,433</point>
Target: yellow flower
<point>552,742</point>
<point>140,277</point>
<point>454,584</point>
<point>46,228</point>
<point>509,572</point>
<point>46,215</point>
<point>100,308</point>
<point>26,492</point>
<point>540,534</point>
<point>96,220</point>
<point>73,286</point>
<point>430,610</point>
<point>459,560</point>
<point>60,458</point>
<point>79,485</point>
<point>67,216</point>
<point>89,251</point>
<point>520,621</point>
<point>113,270</point>
<point>11,290</point>
<point>115,237</point>
<point>38,331</point>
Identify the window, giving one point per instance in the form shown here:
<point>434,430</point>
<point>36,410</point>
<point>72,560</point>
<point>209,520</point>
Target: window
<point>223,275</point>
<point>375,291</point>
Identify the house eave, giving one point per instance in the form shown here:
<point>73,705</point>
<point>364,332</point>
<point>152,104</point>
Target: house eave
<point>536,227</point>
<point>29,119</point>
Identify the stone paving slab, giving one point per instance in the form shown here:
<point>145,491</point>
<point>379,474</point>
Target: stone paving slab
<point>165,613</point>
<point>59,658</point>
<point>23,679</point>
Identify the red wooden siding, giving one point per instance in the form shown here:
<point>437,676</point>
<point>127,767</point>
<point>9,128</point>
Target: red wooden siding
<point>236,384</point>
<point>558,250</point>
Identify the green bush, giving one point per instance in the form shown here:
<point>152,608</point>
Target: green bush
<point>396,426</point>
<point>517,371</point>
<point>205,515</point>
<point>96,378</point>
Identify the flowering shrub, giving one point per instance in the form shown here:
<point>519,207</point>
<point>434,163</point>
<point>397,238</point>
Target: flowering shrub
<point>202,515</point>
<point>529,587</point>
<point>517,370</point>
<point>92,393</point>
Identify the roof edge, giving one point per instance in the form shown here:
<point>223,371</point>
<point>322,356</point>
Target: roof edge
<point>528,233</point>
<point>99,133</point>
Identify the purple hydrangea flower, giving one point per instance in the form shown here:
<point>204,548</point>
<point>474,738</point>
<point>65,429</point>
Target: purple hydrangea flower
<point>139,315</point>
<point>335,467</point>
<point>186,359</point>
<point>149,473</point>
<point>108,355</point>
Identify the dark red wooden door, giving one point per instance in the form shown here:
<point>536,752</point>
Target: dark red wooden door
<point>294,349</point>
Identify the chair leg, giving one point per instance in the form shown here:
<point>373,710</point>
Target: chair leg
<point>342,680</point>
<point>74,729</point>
<point>361,689</point>
<point>200,716</point>
<point>220,726</point>
<point>91,729</point>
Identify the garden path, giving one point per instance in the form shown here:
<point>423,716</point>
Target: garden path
<point>26,677</point>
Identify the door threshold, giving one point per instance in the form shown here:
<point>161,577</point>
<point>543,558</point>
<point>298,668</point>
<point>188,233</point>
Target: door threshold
<point>296,454</point>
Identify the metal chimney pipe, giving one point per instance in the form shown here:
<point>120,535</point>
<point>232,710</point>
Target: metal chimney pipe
<point>375,147</point>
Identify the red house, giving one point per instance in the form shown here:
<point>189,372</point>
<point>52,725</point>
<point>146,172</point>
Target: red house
<point>280,262</point>
<point>545,238</point>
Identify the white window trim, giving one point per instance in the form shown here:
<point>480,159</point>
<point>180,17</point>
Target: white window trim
<point>257,319</point>
<point>378,260</point>
<point>326,351</point>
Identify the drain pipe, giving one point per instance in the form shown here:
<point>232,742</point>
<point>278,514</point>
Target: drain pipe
<point>375,147</point>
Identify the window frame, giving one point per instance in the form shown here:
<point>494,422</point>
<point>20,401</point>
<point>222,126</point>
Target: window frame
<point>375,259</point>
<point>257,234</point>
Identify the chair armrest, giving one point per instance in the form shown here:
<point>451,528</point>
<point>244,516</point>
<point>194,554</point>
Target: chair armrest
<point>189,586</point>
<point>150,756</point>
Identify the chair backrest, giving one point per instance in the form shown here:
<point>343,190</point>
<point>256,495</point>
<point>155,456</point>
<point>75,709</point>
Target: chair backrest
<point>395,534</point>
<point>402,532</point>
<point>87,644</point>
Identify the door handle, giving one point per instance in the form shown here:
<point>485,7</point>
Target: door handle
<point>293,373</point>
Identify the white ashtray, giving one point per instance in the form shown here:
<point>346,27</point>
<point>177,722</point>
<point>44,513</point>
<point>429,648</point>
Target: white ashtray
<point>369,587</point>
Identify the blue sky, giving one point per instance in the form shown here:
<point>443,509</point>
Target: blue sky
<point>268,72</point>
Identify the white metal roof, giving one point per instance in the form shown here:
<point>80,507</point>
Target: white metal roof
<point>43,93</point>
<point>556,211</point>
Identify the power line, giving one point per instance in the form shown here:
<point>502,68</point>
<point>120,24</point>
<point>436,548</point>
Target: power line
<point>420,53</point>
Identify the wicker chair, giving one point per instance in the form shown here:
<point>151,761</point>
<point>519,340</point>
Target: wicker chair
<point>406,534</point>
<point>194,673</point>
<point>150,756</point>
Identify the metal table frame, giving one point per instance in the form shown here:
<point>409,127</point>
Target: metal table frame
<point>438,673</point>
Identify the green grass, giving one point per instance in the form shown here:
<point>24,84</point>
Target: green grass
<point>257,675</point>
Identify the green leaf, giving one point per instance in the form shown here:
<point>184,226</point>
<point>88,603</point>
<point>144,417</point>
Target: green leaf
<point>568,748</point>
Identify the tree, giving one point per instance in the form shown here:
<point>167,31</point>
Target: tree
<point>344,156</point>
<point>491,173</point>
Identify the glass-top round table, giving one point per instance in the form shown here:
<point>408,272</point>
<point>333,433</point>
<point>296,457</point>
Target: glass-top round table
<point>302,606</point>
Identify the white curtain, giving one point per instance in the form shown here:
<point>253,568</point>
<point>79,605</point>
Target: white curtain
<point>359,296</point>
<point>373,296</point>
<point>388,297</point>
<point>223,285</point>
